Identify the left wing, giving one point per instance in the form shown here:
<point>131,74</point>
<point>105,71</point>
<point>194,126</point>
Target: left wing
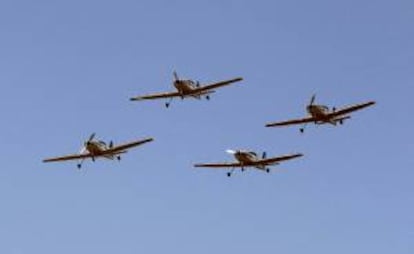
<point>156,96</point>
<point>219,165</point>
<point>351,109</point>
<point>217,85</point>
<point>292,122</point>
<point>124,147</point>
<point>69,157</point>
<point>275,160</point>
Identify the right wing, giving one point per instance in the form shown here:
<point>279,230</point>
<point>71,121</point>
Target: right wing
<point>125,147</point>
<point>69,157</point>
<point>219,165</point>
<point>218,84</point>
<point>275,160</point>
<point>156,96</point>
<point>292,122</point>
<point>351,109</point>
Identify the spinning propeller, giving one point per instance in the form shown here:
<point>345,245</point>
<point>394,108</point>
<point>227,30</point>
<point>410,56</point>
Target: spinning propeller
<point>229,151</point>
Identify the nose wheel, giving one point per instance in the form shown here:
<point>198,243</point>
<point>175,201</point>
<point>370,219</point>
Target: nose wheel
<point>118,158</point>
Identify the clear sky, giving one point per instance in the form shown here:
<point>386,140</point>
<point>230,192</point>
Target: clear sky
<point>68,68</point>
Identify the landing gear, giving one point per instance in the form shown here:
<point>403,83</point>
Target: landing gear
<point>242,169</point>
<point>302,130</point>
<point>118,158</point>
<point>268,170</point>
<point>167,104</point>
<point>231,172</point>
<point>80,163</point>
<point>208,97</point>
<point>341,122</point>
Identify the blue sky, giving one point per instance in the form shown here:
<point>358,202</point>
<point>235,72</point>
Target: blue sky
<point>69,67</point>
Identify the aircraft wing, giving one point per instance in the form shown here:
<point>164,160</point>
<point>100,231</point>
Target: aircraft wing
<point>218,84</point>
<point>275,160</point>
<point>156,96</point>
<point>69,157</point>
<point>124,147</point>
<point>292,122</point>
<point>219,165</point>
<point>350,109</point>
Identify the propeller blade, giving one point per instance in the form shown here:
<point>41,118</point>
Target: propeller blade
<point>312,100</point>
<point>264,155</point>
<point>231,151</point>
<point>176,76</point>
<point>82,150</point>
<point>111,144</point>
<point>91,137</point>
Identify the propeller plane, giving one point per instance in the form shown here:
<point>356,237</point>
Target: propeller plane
<point>321,114</point>
<point>93,149</point>
<point>187,89</point>
<point>249,159</point>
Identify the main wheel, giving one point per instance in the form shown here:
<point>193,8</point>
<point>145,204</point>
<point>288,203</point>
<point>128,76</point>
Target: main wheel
<point>79,166</point>
<point>167,105</point>
<point>228,174</point>
<point>302,130</point>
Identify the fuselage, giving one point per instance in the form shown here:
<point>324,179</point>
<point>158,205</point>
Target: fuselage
<point>246,157</point>
<point>98,148</point>
<point>188,88</point>
<point>322,114</point>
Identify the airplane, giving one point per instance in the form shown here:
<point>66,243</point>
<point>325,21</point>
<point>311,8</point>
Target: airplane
<point>187,89</point>
<point>249,159</point>
<point>320,114</point>
<point>98,149</point>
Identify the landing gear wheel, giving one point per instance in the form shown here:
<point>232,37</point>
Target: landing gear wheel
<point>118,158</point>
<point>79,166</point>
<point>267,170</point>
<point>208,97</point>
<point>302,130</point>
<point>228,174</point>
<point>341,122</point>
<point>167,105</point>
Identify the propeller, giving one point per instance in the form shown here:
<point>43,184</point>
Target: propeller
<point>91,137</point>
<point>231,151</point>
<point>111,144</point>
<point>176,76</point>
<point>264,155</point>
<point>312,100</point>
<point>82,150</point>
